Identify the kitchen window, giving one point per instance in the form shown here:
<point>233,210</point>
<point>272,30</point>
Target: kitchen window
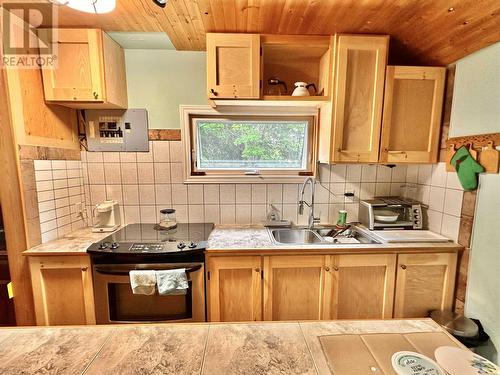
<point>250,147</point>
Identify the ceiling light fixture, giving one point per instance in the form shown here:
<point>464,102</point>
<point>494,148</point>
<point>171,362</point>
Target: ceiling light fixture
<point>160,3</point>
<point>88,6</point>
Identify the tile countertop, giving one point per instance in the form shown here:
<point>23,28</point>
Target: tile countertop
<point>206,348</point>
<point>74,243</point>
<point>257,238</point>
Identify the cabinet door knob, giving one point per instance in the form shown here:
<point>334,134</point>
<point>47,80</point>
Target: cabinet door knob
<point>96,95</point>
<point>327,269</point>
<point>84,269</point>
<point>335,268</point>
<point>213,92</point>
<point>257,270</point>
<point>403,266</point>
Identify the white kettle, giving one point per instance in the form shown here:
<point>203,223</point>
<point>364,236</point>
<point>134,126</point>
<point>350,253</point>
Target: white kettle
<point>302,89</point>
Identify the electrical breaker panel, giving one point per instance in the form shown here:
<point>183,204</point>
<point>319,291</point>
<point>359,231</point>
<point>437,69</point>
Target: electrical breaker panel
<point>117,130</point>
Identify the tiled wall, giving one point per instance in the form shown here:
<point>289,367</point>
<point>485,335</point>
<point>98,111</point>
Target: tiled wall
<point>442,192</point>
<point>61,202</point>
<point>145,182</point>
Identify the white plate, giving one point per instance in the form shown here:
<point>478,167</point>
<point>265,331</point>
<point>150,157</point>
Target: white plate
<point>412,363</point>
<point>457,361</point>
<point>386,216</point>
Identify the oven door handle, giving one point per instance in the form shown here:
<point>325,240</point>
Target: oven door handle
<point>125,273</point>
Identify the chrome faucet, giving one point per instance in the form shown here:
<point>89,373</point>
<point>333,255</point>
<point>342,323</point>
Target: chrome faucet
<point>312,219</point>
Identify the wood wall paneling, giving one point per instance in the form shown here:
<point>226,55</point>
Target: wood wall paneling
<point>12,203</point>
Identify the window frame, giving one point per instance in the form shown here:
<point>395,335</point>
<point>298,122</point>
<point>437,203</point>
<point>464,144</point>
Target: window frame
<point>193,174</point>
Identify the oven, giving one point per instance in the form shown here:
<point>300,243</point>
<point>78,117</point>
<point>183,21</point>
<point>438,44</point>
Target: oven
<point>115,302</point>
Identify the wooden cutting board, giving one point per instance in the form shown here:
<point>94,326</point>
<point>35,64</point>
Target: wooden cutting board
<point>488,158</point>
<point>371,353</point>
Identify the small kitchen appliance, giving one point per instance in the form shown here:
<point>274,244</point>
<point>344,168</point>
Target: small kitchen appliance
<point>391,213</point>
<point>107,216</point>
<point>144,247</point>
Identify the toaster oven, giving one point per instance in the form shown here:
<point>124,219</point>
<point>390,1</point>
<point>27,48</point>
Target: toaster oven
<point>391,213</point>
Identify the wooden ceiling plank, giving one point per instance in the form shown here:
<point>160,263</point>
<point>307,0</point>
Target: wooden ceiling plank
<point>253,16</point>
<point>194,10</point>
<point>179,10</point>
<point>423,28</point>
<point>218,15</point>
<point>206,14</point>
<point>241,13</point>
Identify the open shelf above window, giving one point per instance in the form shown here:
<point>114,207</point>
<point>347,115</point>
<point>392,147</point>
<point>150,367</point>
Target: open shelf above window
<point>296,59</point>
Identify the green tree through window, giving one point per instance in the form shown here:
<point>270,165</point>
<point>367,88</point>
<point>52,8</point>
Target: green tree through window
<point>235,144</point>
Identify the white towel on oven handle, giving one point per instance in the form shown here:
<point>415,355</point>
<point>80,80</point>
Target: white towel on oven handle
<point>143,282</point>
<point>172,282</point>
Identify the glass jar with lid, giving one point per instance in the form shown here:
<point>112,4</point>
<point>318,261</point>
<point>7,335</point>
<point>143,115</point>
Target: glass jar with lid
<point>167,219</point>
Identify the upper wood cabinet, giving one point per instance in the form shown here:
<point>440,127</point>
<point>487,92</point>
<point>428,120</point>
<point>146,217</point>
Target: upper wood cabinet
<point>233,62</point>
<point>239,66</point>
<point>412,114</point>
<point>293,287</point>
<point>62,290</point>
<point>359,72</point>
<point>90,71</point>
<point>424,282</point>
<point>234,289</point>
<point>360,286</point>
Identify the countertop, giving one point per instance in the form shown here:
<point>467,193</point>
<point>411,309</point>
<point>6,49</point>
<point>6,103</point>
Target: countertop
<point>231,238</point>
<point>206,348</point>
<point>74,243</point>
<point>257,238</point>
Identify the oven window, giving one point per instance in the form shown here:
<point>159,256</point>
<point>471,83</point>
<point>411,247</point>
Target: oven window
<point>126,306</point>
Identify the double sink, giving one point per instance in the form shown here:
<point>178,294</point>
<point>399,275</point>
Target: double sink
<point>319,236</point>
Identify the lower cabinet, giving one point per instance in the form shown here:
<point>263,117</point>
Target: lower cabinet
<point>360,287</point>
<point>344,286</point>
<point>234,288</point>
<point>62,289</point>
<point>293,287</point>
<point>424,282</point>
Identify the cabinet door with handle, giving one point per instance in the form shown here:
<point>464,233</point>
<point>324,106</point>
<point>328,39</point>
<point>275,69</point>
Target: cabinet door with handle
<point>233,66</point>
<point>62,290</point>
<point>424,282</point>
<point>413,104</point>
<point>293,287</point>
<point>360,286</point>
<point>79,73</point>
<point>358,96</point>
<point>234,288</point>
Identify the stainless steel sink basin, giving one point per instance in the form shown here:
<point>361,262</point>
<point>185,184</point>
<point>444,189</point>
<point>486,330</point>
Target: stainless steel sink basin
<point>301,236</point>
<point>295,236</point>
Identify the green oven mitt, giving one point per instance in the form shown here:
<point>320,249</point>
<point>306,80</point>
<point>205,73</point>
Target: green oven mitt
<point>467,168</point>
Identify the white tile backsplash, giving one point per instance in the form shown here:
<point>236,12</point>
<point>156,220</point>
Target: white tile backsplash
<point>161,151</point>
<point>243,194</point>
<point>338,173</point>
<point>436,198</point>
<point>438,176</point>
<point>369,173</point>
<point>453,202</point>
<point>384,173</point>
<point>227,194</point>
<point>59,198</point>
<point>154,180</point>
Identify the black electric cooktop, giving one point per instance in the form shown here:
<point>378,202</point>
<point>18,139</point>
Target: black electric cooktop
<point>146,239</point>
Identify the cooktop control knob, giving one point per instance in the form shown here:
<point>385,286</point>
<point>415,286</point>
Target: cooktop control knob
<point>114,245</point>
<point>192,245</point>
<point>181,245</point>
<point>103,245</point>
